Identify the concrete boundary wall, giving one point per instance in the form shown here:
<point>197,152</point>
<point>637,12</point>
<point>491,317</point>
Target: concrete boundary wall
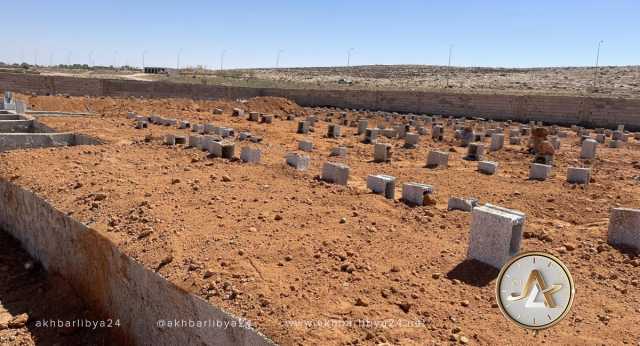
<point>567,110</point>
<point>110,281</point>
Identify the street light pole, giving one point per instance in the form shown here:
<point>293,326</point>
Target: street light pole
<point>143,54</point>
<point>178,59</point>
<point>595,75</point>
<point>449,64</point>
<point>90,58</point>
<point>278,57</point>
<point>349,57</point>
<point>222,59</point>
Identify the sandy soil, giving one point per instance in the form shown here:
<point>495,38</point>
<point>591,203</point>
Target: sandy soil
<point>278,246</point>
<point>30,297</point>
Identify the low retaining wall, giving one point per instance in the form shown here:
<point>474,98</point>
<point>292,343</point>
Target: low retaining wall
<point>110,281</point>
<point>566,110</point>
<point>12,141</point>
<point>13,126</point>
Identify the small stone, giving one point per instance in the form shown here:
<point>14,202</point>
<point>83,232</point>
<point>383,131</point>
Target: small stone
<point>464,340</point>
<point>19,321</point>
<point>226,178</point>
<point>278,217</point>
<point>343,220</point>
<point>99,197</point>
<point>361,302</point>
<point>288,258</point>
<point>175,181</point>
<point>436,275</point>
<point>405,306</point>
<point>569,246</point>
<point>207,274</point>
<point>464,303</point>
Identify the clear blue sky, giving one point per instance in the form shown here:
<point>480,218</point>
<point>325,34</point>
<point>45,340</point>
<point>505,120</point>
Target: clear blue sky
<point>509,33</point>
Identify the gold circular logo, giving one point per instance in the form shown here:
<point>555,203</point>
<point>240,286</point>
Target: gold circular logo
<point>535,290</point>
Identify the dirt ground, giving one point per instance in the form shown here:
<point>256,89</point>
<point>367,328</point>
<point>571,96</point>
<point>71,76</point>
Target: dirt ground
<point>305,260</point>
<point>30,297</point>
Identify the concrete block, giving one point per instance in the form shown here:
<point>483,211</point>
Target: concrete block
<point>180,139</point>
<point>497,141</point>
<point>416,193</point>
<point>217,111</point>
<point>298,161</point>
<point>464,204</point>
<point>619,136</point>
<point>338,151</point>
<point>382,184</point>
<point>305,145</point>
<point>370,135</point>
<point>515,140</point>
<point>382,152</point>
<point>169,139</point>
<point>141,124</point>
<point>194,141</point>
<point>578,175</point>
<point>184,124</point>
<point>228,150</point>
<point>411,140</point>
<point>237,112</point>
<point>600,138</point>
<point>496,234</point>
<point>303,127</point>
<point>624,228</point>
<point>210,128</point>
<point>437,159</point>
<point>254,116</point>
<point>214,148</point>
<point>615,143</point>
<point>466,137</point>
<point>390,133</point>
<point>336,173</point>
<point>421,130</point>
<point>250,155</point>
<point>333,131</point>
<point>266,119</point>
<point>197,128</point>
<point>362,126</point>
<point>475,151</point>
<point>487,167</point>
<point>588,150</point>
<point>437,132</point>
<point>539,171</point>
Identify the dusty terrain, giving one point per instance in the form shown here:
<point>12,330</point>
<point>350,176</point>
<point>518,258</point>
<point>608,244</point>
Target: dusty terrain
<point>287,251</point>
<point>31,297</point>
<point>616,81</point>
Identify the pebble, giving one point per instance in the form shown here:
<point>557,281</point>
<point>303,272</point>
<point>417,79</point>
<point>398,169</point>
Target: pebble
<point>19,321</point>
<point>226,178</point>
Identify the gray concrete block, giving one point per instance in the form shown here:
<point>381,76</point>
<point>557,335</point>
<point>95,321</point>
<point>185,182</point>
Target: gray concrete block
<point>382,184</point>
<point>184,124</point>
<point>305,145</point>
<point>475,151</point>
<point>464,204</point>
<point>416,193</point>
<point>382,152</point>
<point>333,131</point>
<point>437,158</point>
<point>515,140</point>
<point>487,167</point>
<point>362,126</point>
<point>266,119</point>
<point>194,141</point>
<point>539,171</point>
<point>588,150</point>
<point>497,141</point>
<point>298,161</point>
<point>578,175</point>
<point>250,155</point>
<point>411,140</point>
<point>237,112</point>
<point>169,139</point>
<point>336,173</point>
<point>615,143</point>
<point>624,228</point>
<point>370,135</point>
<point>437,132</point>
<point>338,151</point>
<point>254,116</point>
<point>210,128</point>
<point>303,127</point>
<point>496,234</point>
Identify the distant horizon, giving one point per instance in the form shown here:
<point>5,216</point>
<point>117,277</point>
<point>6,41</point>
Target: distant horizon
<point>330,67</point>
